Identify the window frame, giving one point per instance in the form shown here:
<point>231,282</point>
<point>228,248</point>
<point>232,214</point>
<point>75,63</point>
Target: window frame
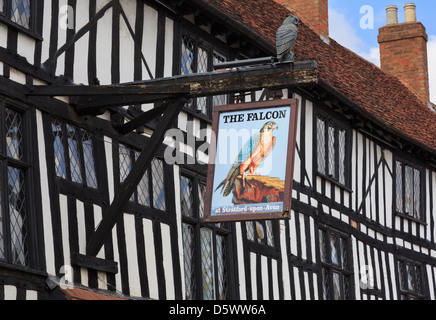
<point>26,166</point>
<point>34,22</point>
<point>411,164</point>
<point>256,243</point>
<point>81,154</point>
<point>66,186</point>
<point>134,204</point>
<point>206,43</point>
<point>332,267</point>
<point>329,119</point>
<point>196,223</point>
<point>403,263</point>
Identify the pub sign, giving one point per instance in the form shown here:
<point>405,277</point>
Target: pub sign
<point>251,165</point>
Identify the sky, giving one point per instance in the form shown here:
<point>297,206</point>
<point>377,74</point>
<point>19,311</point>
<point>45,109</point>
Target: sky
<point>346,28</point>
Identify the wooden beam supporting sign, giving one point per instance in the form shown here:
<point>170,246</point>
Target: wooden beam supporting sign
<point>228,81</point>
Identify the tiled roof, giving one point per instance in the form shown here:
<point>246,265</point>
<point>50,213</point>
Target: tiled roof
<point>77,294</point>
<point>381,95</point>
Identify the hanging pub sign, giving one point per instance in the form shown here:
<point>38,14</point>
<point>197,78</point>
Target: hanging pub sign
<point>251,165</point>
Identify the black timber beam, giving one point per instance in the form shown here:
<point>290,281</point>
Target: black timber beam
<point>128,187</point>
<point>82,261</point>
<point>91,105</point>
<point>143,118</point>
<point>269,76</point>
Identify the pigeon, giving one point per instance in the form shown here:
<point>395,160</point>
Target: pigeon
<point>286,37</point>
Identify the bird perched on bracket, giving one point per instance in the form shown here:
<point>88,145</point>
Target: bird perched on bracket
<point>255,151</point>
<point>286,37</point>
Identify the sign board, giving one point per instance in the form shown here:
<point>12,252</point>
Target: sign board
<point>251,165</point>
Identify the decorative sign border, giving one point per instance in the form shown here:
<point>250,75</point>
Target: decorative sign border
<point>234,117</point>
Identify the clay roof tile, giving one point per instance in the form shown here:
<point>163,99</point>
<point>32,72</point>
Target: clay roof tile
<point>380,94</point>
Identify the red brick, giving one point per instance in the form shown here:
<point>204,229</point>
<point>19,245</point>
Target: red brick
<point>403,53</point>
<point>313,12</point>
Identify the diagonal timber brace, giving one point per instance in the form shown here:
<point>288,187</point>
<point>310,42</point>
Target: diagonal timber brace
<point>144,118</point>
<point>129,186</point>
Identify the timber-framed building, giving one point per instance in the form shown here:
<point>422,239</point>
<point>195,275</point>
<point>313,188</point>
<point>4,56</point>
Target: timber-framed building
<point>79,82</point>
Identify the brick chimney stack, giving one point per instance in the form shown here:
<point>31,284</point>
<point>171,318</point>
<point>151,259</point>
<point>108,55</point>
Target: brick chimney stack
<point>315,13</point>
<point>403,50</point>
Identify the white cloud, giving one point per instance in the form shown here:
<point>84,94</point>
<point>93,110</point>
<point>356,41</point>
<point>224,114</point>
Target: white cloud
<point>373,55</point>
<point>342,31</point>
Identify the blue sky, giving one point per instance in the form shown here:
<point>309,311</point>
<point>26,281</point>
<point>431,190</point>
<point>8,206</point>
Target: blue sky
<point>345,28</point>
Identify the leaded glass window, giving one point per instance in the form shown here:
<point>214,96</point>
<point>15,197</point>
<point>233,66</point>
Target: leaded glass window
<point>19,12</point>
<point>188,55</point>
<point>261,232</point>
<point>126,157</point>
<point>411,280</point>
<point>158,185</point>
<point>189,261</point>
<point>17,216</point>
<point>14,199</point>
<point>14,136</point>
<point>207,264</point>
<point>332,146</point>
<point>335,271</point>
<point>408,190</point>
<point>187,197</point>
<point>151,189</point>
<point>88,159</point>
<point>205,247</point>
<point>58,147</point>
<point>74,154</point>
<point>197,57</point>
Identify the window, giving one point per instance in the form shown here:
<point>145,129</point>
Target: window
<point>205,247</point>
<point>332,150</point>
<point>411,280</point>
<point>14,197</point>
<point>19,12</point>
<point>74,154</point>
<point>335,265</point>
<point>198,58</point>
<point>261,232</point>
<point>408,191</point>
<point>151,189</point>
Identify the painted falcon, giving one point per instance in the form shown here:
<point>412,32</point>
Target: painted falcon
<point>251,156</point>
<point>286,37</point>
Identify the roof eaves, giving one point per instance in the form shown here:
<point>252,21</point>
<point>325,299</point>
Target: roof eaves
<point>224,18</point>
<point>383,124</point>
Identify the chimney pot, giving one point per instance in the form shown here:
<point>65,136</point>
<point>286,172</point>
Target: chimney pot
<point>391,15</point>
<point>410,12</point>
<point>403,50</point>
